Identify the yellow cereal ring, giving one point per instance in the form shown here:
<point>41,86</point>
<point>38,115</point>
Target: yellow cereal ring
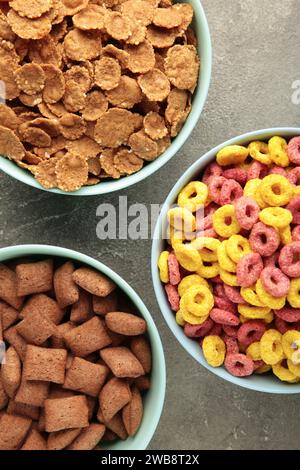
<point>243,319</point>
<point>179,318</point>
<point>293,296</point>
<point>163,267</point>
<point>253,313</point>
<point>229,278</point>
<point>271,349</point>
<point>269,317</point>
<point>182,219</point>
<point>214,350</point>
<point>276,190</point>
<point>283,373</point>
<point>221,217</point>
<point>209,270</point>
<point>207,247</point>
<point>193,196</point>
<point>260,151</point>
<point>276,217</point>
<point>237,247</point>
<point>275,303</point>
<point>252,189</point>
<point>190,281</point>
<point>224,261</point>
<point>263,369</point>
<point>278,151</point>
<point>198,300</point>
<point>232,155</point>
<point>188,257</point>
<point>285,235</point>
<point>290,343</point>
<point>249,294</point>
<point>293,368</point>
<point>253,351</point>
<point>193,319</point>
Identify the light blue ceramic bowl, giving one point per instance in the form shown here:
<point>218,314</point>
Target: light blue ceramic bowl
<point>154,398</point>
<point>205,52</point>
<point>261,383</point>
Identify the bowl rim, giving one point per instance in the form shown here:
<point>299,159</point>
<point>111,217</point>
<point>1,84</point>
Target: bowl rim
<point>148,431</point>
<point>157,245</point>
<point>199,99</point>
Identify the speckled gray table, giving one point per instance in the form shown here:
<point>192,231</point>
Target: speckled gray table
<point>256,60</point>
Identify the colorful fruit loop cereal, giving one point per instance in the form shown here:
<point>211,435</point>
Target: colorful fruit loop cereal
<point>77,363</point>
<point>95,89</point>
<point>237,289</point>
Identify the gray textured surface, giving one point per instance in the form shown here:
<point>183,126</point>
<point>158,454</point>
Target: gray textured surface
<point>256,59</point>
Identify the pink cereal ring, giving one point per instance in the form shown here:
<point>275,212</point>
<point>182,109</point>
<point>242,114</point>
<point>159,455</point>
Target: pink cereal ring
<point>249,269</point>
<point>257,170</point>
<point>272,261</point>
<point>233,294</point>
<point>250,332</point>
<point>289,259</point>
<point>224,317</point>
<point>210,233</point>
<point>219,290</point>
<point>275,282</point>
<point>283,326</point>
<point>288,314</point>
<point>232,346</point>
<point>231,191</point>
<point>263,239</point>
<point>174,270</point>
<point>294,150</point>
<point>216,330</point>
<point>198,331</point>
<point>237,174</point>
<point>294,175</point>
<point>247,211</point>
<point>294,208</point>
<point>214,186</point>
<point>239,365</point>
<point>296,234</point>
<point>173,297</point>
<point>216,280</point>
<point>212,170</point>
<point>231,331</point>
<point>277,170</point>
<point>224,304</point>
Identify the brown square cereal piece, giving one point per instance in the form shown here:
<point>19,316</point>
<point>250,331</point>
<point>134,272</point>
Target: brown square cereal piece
<point>21,409</point>
<point>122,362</point>
<point>61,439</point>
<point>35,441</point>
<point>104,305</point>
<point>66,413</point>
<point>33,278</point>
<point>57,340</point>
<point>8,314</point>
<point>43,304</point>
<point>82,309</point>
<point>45,364</point>
<point>36,328</point>
<point>8,287</point>
<point>113,397</point>
<point>32,392</point>
<point>57,391</point>
<point>86,377</point>
<point>66,291</point>
<point>87,338</point>
<point>3,396</point>
<point>14,339</point>
<point>13,430</point>
<point>93,281</point>
<point>88,438</point>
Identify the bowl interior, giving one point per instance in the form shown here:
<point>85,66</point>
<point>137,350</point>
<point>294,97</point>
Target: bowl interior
<point>262,383</point>
<point>154,398</point>
<point>204,49</point>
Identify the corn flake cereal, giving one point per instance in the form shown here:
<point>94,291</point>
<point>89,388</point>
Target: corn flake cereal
<point>71,172</point>
<point>182,66</point>
<point>155,85</point>
<point>107,73</point>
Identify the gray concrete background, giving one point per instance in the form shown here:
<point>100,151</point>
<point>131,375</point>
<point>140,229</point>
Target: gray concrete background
<point>256,59</point>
